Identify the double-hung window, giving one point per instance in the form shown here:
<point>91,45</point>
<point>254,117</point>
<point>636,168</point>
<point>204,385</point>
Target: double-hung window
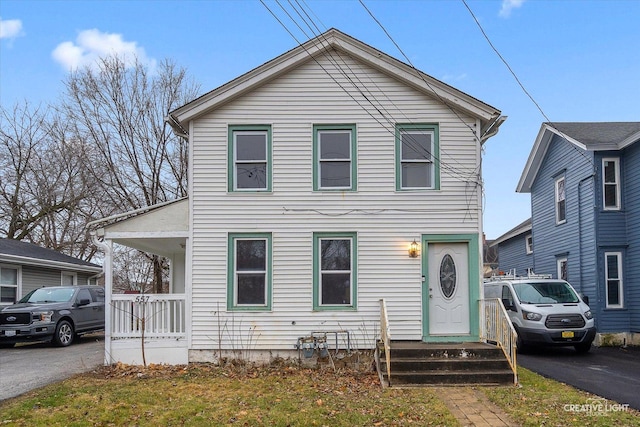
<point>417,165</point>
<point>250,158</point>
<point>561,203</point>
<point>335,157</point>
<point>335,272</point>
<point>249,272</point>
<point>611,183</point>
<point>613,275</point>
<point>9,278</point>
<point>529,244</point>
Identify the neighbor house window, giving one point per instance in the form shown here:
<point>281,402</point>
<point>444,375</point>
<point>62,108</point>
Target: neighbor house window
<point>249,272</point>
<point>611,184</point>
<point>69,279</point>
<point>417,165</point>
<point>561,264</point>
<point>250,158</point>
<point>334,271</point>
<point>561,204</point>
<point>9,279</point>
<point>613,274</point>
<point>529,243</point>
<point>335,157</point>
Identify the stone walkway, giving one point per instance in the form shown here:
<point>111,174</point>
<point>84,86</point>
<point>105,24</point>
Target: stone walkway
<point>472,408</point>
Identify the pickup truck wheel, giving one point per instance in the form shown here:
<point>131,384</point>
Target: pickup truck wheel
<point>64,334</point>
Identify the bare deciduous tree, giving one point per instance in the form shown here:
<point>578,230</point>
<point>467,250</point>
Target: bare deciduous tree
<point>120,110</point>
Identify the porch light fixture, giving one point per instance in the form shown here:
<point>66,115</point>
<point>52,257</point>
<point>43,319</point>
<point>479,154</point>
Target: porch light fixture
<point>413,249</point>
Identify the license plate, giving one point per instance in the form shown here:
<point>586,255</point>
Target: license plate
<point>9,333</point>
<point>568,334</point>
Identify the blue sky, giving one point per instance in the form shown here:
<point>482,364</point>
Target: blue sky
<point>579,60</point>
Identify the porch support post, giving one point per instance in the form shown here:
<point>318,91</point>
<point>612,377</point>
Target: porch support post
<point>108,284</point>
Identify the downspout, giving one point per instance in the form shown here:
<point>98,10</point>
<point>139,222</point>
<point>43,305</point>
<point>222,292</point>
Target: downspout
<point>582,181</point>
<point>107,270</point>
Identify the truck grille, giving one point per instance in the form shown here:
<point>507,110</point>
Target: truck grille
<point>20,318</point>
<point>564,321</point>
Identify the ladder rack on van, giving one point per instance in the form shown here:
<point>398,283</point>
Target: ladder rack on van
<point>511,275</point>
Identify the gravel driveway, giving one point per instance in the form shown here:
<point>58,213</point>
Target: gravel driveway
<point>30,366</point>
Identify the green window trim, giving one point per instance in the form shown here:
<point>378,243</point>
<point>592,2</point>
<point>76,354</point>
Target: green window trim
<point>317,271</point>
<point>430,128</point>
<point>232,295</point>
<point>232,179</point>
<point>353,150</point>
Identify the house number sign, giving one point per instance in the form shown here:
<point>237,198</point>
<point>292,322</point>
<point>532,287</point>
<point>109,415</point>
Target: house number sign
<point>447,276</point>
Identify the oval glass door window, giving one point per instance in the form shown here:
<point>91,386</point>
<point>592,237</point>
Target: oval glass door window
<point>448,276</point>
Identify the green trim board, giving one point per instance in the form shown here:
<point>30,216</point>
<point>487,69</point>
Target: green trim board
<point>472,241</point>
<point>353,150</point>
<point>435,156</point>
<point>231,158</point>
<point>353,305</point>
<point>231,272</point>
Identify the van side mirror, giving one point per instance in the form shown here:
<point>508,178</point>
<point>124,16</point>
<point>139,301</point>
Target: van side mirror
<point>507,305</point>
<point>585,298</point>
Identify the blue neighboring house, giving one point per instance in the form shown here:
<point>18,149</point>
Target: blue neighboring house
<point>584,181</point>
<point>514,250</point>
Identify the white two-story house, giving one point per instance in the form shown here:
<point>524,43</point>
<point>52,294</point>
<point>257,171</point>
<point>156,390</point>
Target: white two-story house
<point>322,182</point>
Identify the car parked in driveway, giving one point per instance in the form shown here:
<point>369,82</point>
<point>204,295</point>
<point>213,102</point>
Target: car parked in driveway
<point>57,314</point>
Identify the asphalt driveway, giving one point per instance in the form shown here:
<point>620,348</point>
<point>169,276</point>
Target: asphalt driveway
<point>27,367</point>
<point>609,372</point>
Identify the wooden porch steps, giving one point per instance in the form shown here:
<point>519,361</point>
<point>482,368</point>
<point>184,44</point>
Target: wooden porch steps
<point>421,364</point>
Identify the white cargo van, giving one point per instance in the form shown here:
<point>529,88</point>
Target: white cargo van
<point>544,311</point>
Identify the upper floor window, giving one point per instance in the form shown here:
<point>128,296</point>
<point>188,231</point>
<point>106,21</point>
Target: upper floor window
<point>249,272</point>
<point>417,165</point>
<point>334,271</point>
<point>613,275</point>
<point>561,203</point>
<point>9,278</point>
<point>250,158</point>
<point>335,157</point>
<point>611,183</point>
<point>529,243</point>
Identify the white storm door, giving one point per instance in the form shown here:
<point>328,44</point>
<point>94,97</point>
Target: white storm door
<point>448,288</point>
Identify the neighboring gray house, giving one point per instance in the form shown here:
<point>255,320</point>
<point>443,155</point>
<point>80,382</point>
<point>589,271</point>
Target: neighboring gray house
<point>515,250</point>
<point>584,180</point>
<point>25,266</point>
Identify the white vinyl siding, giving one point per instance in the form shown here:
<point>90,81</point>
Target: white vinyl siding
<point>611,183</point>
<point>613,275</point>
<point>385,220</point>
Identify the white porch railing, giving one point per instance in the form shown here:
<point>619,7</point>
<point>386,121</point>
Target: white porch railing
<point>154,316</point>
<point>385,336</point>
<point>497,328</point>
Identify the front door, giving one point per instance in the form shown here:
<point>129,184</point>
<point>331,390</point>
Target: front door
<point>448,288</point>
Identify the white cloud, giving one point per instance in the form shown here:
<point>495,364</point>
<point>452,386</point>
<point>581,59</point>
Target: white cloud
<point>508,6</point>
<point>91,45</point>
<point>10,28</point>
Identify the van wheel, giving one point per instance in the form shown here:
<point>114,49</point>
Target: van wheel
<point>582,348</point>
<point>64,334</point>
<point>521,347</point>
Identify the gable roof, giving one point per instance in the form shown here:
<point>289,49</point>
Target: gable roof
<point>25,253</point>
<point>518,230</point>
<point>333,39</point>
<point>587,136</point>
